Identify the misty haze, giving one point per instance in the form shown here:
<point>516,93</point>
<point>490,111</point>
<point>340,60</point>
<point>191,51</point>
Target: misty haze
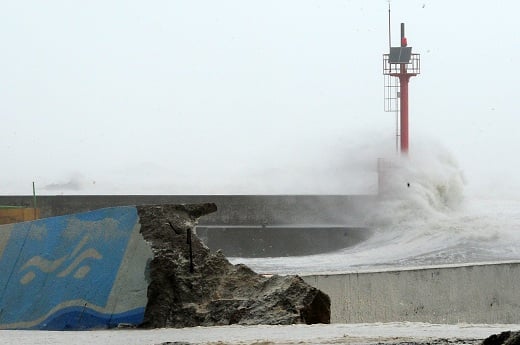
<point>278,98</point>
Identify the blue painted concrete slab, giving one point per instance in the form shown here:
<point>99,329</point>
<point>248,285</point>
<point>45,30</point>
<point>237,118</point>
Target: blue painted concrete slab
<point>59,273</point>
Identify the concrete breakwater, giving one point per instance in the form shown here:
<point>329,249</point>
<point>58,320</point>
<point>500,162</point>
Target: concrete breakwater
<point>279,241</point>
<point>232,209</point>
<point>471,293</point>
<point>484,293</point>
<point>244,225</point>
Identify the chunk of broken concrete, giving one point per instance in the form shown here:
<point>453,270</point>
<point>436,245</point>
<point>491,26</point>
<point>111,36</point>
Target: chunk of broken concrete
<point>504,338</point>
<point>209,290</point>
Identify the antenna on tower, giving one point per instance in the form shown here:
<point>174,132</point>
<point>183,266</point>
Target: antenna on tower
<point>392,84</point>
<point>389,28</point>
<point>399,65</point>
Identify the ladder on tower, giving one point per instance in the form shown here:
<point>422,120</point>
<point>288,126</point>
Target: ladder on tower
<point>392,102</point>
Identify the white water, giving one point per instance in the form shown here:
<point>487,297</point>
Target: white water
<point>429,222</point>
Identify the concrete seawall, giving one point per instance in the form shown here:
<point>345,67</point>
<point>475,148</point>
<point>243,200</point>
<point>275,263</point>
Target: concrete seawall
<point>264,220</point>
<point>473,293</point>
<point>276,241</point>
<point>232,209</point>
<point>91,270</point>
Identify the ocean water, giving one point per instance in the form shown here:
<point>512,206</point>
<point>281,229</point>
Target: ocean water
<point>425,217</point>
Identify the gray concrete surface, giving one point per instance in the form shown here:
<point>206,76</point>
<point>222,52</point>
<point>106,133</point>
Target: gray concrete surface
<point>474,293</point>
<point>284,214</point>
<point>271,241</point>
<point>232,209</point>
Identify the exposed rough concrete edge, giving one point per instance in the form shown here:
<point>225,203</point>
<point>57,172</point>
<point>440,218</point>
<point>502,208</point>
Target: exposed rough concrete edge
<point>213,291</point>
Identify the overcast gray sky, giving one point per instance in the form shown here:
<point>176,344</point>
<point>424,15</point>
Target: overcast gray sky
<point>242,96</point>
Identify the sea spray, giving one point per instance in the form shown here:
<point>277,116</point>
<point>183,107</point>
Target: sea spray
<point>422,218</point>
<point>420,187</point>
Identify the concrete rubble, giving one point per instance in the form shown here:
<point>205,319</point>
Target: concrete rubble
<point>208,290</point>
<point>504,338</point>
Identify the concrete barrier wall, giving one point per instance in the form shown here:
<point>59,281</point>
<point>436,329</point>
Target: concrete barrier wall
<point>479,293</point>
<point>232,209</point>
<point>318,219</point>
<point>276,241</point>
<point>73,272</point>
<point>91,270</point>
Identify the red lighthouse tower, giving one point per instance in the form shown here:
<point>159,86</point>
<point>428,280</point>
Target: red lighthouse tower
<point>399,65</point>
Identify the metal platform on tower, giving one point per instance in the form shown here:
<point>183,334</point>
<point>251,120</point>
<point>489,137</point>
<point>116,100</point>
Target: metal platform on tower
<point>399,65</point>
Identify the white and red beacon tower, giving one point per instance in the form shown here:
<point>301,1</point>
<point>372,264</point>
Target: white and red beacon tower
<point>399,65</point>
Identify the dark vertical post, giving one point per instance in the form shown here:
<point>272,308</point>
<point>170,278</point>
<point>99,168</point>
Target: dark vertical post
<point>389,28</point>
<point>35,206</point>
<point>188,239</point>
